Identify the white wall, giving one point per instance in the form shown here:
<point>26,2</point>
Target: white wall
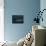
<point>43,6</point>
<point>1,20</point>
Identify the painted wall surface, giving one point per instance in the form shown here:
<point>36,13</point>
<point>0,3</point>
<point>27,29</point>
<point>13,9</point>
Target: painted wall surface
<point>43,6</point>
<point>13,32</point>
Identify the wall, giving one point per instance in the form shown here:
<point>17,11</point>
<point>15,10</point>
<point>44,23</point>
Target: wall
<point>43,6</point>
<point>13,32</point>
<point>1,20</point>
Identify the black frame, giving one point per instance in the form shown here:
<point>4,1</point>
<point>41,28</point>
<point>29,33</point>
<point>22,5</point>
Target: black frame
<point>17,19</point>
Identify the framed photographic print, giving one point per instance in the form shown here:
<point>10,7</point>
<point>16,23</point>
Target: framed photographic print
<point>17,19</point>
